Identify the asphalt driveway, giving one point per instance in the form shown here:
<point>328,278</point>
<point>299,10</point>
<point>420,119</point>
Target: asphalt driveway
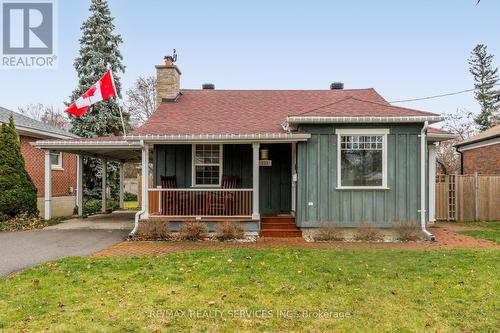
<point>77,237</point>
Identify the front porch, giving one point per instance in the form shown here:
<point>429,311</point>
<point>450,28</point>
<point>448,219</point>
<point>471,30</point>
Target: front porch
<point>221,182</point>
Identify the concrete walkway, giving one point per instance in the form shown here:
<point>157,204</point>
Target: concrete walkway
<point>75,237</point>
<point>118,220</point>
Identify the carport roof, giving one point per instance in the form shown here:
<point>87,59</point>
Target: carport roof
<point>112,148</point>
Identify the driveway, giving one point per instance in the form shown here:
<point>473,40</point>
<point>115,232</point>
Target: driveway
<point>75,237</point>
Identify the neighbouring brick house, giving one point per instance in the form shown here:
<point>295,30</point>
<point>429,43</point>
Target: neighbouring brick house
<point>481,153</point>
<point>63,164</point>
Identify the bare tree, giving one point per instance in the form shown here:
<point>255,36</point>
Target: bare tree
<point>46,114</point>
<point>461,123</point>
<point>141,100</point>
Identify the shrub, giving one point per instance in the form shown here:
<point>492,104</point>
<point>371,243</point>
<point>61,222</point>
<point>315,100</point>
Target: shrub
<point>154,230</point>
<point>127,196</point>
<point>91,207</point>
<point>229,230</point>
<point>112,204</point>
<point>328,233</point>
<point>407,231</point>
<point>193,231</point>
<point>17,191</point>
<point>368,233</point>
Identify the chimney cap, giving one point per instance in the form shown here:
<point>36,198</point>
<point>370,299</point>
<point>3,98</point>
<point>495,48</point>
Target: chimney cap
<point>337,86</point>
<point>208,86</point>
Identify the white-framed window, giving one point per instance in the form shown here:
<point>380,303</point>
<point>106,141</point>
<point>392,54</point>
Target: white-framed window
<point>207,164</point>
<point>56,159</point>
<point>362,158</point>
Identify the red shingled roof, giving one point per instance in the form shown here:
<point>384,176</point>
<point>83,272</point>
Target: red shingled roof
<point>435,130</point>
<point>261,111</point>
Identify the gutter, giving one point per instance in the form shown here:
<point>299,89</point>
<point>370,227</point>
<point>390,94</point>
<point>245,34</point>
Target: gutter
<point>423,177</point>
<point>143,210</point>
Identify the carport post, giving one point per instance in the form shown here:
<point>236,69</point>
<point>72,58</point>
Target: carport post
<point>48,186</point>
<point>122,176</point>
<point>79,184</point>
<point>104,181</point>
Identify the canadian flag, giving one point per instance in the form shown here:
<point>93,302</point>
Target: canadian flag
<point>101,90</point>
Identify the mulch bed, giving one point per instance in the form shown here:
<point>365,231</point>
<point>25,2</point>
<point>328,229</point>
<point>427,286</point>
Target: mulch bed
<point>446,235</point>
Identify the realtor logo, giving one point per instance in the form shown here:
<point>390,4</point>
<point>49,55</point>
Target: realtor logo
<point>28,34</point>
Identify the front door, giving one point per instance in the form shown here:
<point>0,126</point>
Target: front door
<point>275,180</point>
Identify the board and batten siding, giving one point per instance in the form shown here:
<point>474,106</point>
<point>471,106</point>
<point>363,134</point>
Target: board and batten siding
<point>176,160</point>
<point>320,202</point>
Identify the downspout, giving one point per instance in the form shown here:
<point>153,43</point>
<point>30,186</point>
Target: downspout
<point>423,182</point>
<point>142,211</point>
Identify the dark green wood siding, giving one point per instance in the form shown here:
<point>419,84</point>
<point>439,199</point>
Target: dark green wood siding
<point>317,181</point>
<point>237,161</point>
<point>176,160</point>
<point>173,160</point>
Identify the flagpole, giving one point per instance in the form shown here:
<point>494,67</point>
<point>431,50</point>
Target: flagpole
<point>118,100</point>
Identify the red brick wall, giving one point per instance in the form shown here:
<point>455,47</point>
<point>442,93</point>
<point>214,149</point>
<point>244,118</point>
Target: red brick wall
<point>483,160</point>
<point>62,180</point>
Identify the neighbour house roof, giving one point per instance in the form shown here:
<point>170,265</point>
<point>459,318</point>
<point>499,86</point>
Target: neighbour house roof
<point>437,134</point>
<point>28,126</point>
<point>489,134</point>
<point>247,112</point>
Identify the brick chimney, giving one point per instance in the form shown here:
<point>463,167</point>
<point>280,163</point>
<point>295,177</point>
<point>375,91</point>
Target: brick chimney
<point>167,81</point>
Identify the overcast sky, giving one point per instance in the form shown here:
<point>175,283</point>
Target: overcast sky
<point>404,49</point>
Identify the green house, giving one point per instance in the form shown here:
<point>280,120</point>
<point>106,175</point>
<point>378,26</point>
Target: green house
<point>278,161</point>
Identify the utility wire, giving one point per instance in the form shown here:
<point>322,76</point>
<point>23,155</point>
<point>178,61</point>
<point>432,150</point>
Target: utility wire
<point>437,96</point>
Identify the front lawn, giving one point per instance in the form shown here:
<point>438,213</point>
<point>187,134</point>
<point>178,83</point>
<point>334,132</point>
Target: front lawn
<point>131,205</point>
<point>485,230</point>
<point>260,290</point>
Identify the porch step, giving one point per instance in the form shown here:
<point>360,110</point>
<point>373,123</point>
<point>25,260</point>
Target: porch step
<point>279,226</point>
<point>280,233</point>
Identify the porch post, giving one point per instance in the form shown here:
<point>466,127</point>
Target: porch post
<point>294,177</point>
<point>79,184</point>
<point>255,179</point>
<point>104,181</point>
<point>145,181</point>
<point>122,176</point>
<point>48,187</point>
<point>432,183</point>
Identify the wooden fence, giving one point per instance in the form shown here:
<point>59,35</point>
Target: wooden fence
<point>468,197</point>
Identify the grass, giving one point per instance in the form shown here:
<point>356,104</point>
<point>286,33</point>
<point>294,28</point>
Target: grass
<point>132,205</point>
<point>252,290</point>
<point>488,230</point>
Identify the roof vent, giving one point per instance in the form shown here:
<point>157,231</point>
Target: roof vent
<point>208,86</point>
<point>336,86</point>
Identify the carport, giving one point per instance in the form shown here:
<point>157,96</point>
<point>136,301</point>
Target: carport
<point>109,149</point>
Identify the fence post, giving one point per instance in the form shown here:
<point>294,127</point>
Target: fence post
<point>476,197</point>
<point>447,196</point>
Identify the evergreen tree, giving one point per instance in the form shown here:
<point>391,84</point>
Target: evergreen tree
<point>98,48</point>
<point>17,191</point>
<point>485,79</point>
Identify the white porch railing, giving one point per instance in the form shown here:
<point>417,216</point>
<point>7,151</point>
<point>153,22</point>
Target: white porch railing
<point>198,202</point>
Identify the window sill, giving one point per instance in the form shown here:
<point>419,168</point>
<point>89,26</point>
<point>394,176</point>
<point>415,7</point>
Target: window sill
<point>57,169</point>
<point>361,188</point>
